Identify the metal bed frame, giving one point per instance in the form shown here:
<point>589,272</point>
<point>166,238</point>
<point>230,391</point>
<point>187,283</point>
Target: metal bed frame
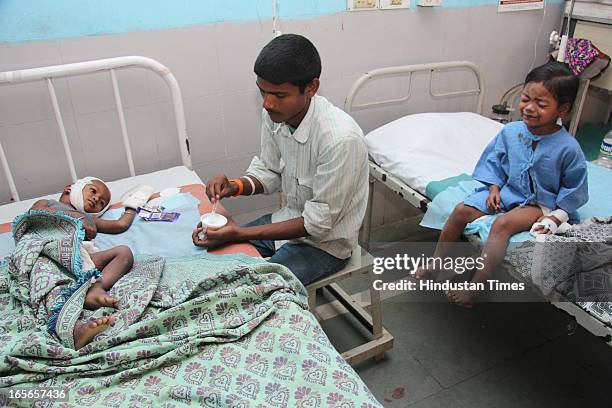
<point>412,196</point>
<point>377,173</point>
<point>49,73</point>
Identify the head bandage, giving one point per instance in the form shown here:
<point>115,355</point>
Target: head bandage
<point>76,194</point>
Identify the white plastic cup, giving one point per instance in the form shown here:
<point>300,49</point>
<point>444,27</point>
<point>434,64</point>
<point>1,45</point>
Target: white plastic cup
<point>213,220</point>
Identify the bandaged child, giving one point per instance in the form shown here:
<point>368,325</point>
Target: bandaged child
<point>87,199</point>
<point>533,172</point>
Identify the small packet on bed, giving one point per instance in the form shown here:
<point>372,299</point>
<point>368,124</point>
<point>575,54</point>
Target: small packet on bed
<point>156,214</point>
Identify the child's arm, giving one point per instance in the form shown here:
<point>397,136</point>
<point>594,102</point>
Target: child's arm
<point>134,199</point>
<point>573,191</point>
<point>116,226</point>
<point>90,229</point>
<point>549,224</point>
<point>494,199</point>
<point>490,168</point>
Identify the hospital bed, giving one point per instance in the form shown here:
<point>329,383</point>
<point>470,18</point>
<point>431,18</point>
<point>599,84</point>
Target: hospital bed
<point>286,360</point>
<point>418,156</point>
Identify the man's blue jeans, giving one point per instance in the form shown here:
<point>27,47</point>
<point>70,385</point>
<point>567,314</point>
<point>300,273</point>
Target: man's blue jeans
<point>307,263</point>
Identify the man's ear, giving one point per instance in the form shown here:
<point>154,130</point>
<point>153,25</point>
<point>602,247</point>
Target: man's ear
<point>564,110</point>
<point>312,87</point>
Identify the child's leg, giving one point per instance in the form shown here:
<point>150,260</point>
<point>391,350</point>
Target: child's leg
<point>516,220</point>
<point>114,263</point>
<point>460,217</point>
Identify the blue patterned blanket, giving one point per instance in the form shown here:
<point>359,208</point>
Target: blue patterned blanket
<point>213,331</point>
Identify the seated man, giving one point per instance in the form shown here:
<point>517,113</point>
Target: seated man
<point>314,154</point>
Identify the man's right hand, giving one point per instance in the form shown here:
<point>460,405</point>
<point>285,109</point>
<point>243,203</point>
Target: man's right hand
<point>220,187</point>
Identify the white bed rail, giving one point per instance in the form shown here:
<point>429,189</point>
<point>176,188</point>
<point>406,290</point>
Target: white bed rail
<point>408,70</point>
<point>48,74</point>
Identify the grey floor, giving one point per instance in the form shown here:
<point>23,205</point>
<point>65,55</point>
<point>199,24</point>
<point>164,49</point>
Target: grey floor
<point>494,355</point>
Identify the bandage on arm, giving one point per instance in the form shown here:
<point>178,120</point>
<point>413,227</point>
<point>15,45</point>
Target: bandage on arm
<point>138,197</point>
<point>543,226</point>
<point>548,224</point>
<point>560,214</point>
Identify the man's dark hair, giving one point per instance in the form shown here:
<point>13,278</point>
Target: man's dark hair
<point>289,58</point>
<point>557,79</point>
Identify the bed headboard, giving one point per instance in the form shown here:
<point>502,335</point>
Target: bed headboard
<point>49,73</point>
<point>407,71</point>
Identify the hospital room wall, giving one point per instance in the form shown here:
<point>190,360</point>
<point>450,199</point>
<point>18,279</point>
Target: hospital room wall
<point>213,63</point>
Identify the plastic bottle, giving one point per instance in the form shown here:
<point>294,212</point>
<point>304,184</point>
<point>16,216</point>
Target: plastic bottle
<point>605,152</point>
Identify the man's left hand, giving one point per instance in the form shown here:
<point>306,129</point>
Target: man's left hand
<point>216,237</point>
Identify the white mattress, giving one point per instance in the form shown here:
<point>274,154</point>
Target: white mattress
<point>426,147</point>
<point>159,180</point>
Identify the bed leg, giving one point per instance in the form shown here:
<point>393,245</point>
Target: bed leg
<point>375,308</point>
<point>312,303</point>
<point>312,299</point>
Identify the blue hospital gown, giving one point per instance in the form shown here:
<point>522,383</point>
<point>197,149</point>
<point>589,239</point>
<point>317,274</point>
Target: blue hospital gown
<point>554,175</point>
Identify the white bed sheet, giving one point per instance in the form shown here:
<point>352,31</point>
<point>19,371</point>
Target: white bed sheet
<point>159,180</point>
<point>426,147</point>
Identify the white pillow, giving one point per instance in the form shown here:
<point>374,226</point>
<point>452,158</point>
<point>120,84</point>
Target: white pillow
<point>428,147</point>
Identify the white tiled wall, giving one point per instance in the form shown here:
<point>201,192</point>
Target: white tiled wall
<point>214,66</point>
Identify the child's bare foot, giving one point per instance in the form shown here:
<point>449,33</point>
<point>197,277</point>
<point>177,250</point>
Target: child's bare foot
<point>464,298</point>
<point>85,332</point>
<point>97,297</point>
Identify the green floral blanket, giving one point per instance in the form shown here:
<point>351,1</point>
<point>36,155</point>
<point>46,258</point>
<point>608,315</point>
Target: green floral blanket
<point>213,331</point>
